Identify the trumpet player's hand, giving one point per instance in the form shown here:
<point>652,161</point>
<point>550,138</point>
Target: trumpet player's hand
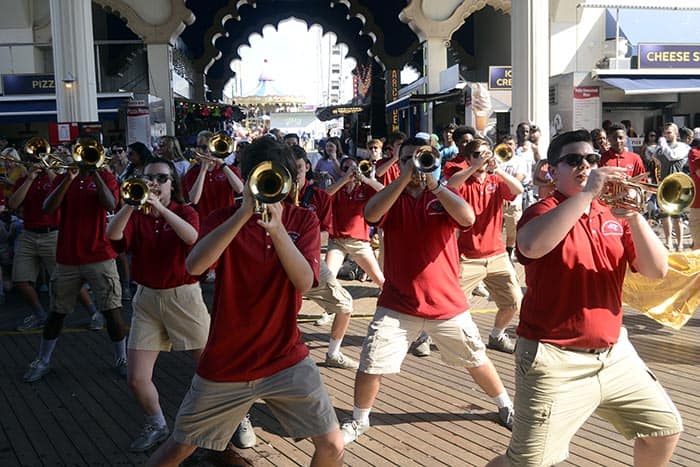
<point>73,172</point>
<point>598,178</point>
<point>275,217</point>
<point>154,201</point>
<point>248,202</point>
<point>406,168</point>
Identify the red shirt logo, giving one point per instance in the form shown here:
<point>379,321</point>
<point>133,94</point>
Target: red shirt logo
<point>491,188</point>
<point>434,207</point>
<point>611,228</point>
<point>294,236</point>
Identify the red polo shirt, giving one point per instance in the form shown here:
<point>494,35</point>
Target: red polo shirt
<point>254,331</point>
<point>632,163</point>
<point>421,262</point>
<point>32,212</point>
<point>483,238</point>
<point>320,203</point>
<point>454,165</point>
<point>392,172</point>
<point>348,212</point>
<point>574,292</point>
<point>694,166</point>
<point>158,260</point>
<point>216,193</point>
<point>82,235</point>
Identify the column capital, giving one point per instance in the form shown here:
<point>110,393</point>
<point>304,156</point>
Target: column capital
<point>439,19</point>
<point>155,21</point>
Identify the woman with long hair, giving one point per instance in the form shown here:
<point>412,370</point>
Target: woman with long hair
<point>168,308</point>
<point>169,149</point>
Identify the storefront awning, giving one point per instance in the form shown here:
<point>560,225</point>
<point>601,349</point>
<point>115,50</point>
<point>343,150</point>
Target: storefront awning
<point>42,108</point>
<point>633,85</point>
<point>337,111</point>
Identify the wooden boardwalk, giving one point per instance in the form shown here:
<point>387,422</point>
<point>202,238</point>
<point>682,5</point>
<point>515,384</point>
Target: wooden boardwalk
<point>83,414</point>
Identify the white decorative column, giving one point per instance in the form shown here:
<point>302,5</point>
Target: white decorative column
<point>74,60</point>
<point>160,79</point>
<point>435,60</point>
<point>530,60</point>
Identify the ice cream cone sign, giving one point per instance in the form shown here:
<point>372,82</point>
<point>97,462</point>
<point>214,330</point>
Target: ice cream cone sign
<point>481,106</point>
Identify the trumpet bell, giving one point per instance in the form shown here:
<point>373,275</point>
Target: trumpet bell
<point>220,145</point>
<point>503,153</point>
<point>270,182</point>
<point>365,167</point>
<point>36,146</point>
<point>426,159</point>
<point>675,193</point>
<point>134,191</point>
<point>90,152</point>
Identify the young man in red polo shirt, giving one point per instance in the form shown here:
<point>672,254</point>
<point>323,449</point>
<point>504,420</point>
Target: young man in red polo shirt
<point>329,292</point>
<point>254,349</point>
<point>168,308</point>
<point>618,154</point>
<point>387,169</point>
<point>83,254</point>
<point>421,292</point>
<point>350,234</point>
<point>36,246</point>
<point>483,256</point>
<point>210,184</point>
<point>573,356</point>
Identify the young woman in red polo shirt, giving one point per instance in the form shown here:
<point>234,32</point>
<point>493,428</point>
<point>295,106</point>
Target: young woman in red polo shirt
<point>254,350</point>
<point>168,308</point>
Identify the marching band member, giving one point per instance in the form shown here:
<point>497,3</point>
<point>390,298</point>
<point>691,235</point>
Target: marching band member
<point>329,291</point>
<point>84,196</point>
<point>573,357</point>
<point>36,246</point>
<point>482,253</point>
<point>168,308</point>
<point>350,233</point>
<point>421,291</point>
<point>255,349</point>
<point>210,184</point>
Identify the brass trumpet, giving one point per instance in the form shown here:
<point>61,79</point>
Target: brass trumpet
<point>89,152</point>
<point>365,168</point>
<point>134,191</point>
<point>426,160</point>
<point>270,182</point>
<point>503,153</point>
<point>220,145</point>
<point>674,194</point>
<point>36,147</point>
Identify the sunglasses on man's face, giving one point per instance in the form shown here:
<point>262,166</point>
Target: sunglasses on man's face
<point>160,178</point>
<point>574,160</point>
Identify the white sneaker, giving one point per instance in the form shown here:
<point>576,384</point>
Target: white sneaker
<point>97,322</point>
<point>352,429</point>
<point>325,319</point>
<point>481,291</point>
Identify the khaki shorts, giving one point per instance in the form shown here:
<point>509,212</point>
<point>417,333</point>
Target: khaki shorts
<point>511,215</point>
<point>174,318</point>
<point>31,252</point>
<point>557,390</point>
<point>103,278</point>
<point>351,246</point>
<point>498,274</point>
<point>296,396</point>
<point>694,221</point>
<point>390,333</point>
<point>330,294</point>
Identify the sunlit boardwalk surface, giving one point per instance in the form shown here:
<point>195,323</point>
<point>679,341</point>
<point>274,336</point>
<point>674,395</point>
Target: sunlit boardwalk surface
<point>82,413</point>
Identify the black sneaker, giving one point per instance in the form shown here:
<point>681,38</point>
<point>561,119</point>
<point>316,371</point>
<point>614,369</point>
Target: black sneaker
<point>506,416</point>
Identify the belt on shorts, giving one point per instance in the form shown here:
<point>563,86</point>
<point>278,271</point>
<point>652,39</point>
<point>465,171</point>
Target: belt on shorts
<point>52,228</point>
<point>581,350</point>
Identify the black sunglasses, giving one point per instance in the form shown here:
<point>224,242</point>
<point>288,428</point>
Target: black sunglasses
<point>160,178</point>
<point>574,160</point>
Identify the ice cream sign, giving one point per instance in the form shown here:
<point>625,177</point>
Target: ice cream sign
<point>500,77</point>
<point>669,55</point>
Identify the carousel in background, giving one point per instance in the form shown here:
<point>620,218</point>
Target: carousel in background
<point>264,100</point>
